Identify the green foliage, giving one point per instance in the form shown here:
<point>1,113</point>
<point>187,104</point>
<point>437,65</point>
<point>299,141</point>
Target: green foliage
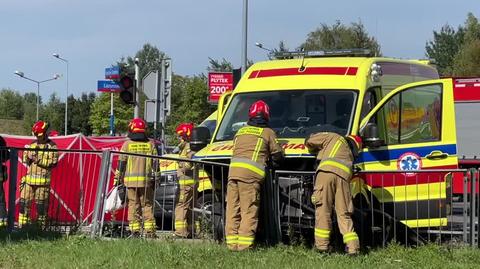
<point>30,110</point>
<point>340,36</point>
<point>457,53</point>
<point>11,104</point>
<point>78,111</point>
<point>100,114</point>
<point>149,58</point>
<point>444,47</point>
<point>189,101</point>
<point>467,60</point>
<point>54,113</point>
<point>219,66</point>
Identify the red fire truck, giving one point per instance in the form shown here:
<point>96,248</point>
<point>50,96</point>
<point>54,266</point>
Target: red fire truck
<point>466,93</point>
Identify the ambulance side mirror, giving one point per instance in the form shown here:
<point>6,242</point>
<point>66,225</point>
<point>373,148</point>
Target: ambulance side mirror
<point>200,138</point>
<point>370,136</point>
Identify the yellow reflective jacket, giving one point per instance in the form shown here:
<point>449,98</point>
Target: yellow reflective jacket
<point>252,147</point>
<point>137,168</point>
<point>40,162</point>
<point>333,152</point>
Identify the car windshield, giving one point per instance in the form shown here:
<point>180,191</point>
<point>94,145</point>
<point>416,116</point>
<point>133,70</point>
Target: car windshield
<point>293,113</point>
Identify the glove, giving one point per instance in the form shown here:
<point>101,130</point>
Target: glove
<point>176,150</point>
<point>116,182</point>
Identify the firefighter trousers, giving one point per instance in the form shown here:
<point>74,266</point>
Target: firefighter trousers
<point>140,209</point>
<point>332,191</point>
<point>243,202</point>
<point>183,209</point>
<point>28,193</point>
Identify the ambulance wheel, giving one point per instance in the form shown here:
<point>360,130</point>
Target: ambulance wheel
<point>209,214</point>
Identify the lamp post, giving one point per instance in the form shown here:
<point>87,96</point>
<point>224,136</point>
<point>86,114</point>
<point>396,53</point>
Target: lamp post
<point>22,75</point>
<point>244,36</point>
<point>56,55</point>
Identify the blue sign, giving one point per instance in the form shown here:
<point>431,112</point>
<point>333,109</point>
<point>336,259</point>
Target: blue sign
<point>112,72</point>
<point>107,86</point>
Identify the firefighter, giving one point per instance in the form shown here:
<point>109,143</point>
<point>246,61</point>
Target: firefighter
<point>335,154</point>
<point>35,185</point>
<point>254,145</point>
<point>138,175</point>
<point>3,178</point>
<point>186,181</point>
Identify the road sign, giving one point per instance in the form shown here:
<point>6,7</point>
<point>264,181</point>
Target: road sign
<point>150,85</point>
<point>107,86</point>
<point>112,72</point>
<point>219,83</point>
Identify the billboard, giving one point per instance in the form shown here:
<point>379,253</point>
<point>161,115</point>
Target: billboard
<point>219,83</point>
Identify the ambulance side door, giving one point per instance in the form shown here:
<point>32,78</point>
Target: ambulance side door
<point>417,125</point>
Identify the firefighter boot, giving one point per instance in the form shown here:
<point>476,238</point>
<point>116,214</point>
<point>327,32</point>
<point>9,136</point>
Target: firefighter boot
<point>23,216</point>
<point>42,214</point>
<point>149,228</point>
<point>352,243</point>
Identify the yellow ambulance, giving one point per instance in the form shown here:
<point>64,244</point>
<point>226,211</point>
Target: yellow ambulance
<point>402,110</point>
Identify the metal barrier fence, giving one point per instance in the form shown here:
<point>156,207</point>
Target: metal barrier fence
<point>409,207</point>
<point>51,189</point>
<point>190,207</point>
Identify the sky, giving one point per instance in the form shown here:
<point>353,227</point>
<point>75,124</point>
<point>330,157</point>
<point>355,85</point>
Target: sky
<point>94,34</point>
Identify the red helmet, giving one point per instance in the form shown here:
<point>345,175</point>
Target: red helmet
<point>184,130</point>
<point>259,108</point>
<point>39,128</point>
<point>53,133</point>
<point>355,139</point>
<point>137,125</point>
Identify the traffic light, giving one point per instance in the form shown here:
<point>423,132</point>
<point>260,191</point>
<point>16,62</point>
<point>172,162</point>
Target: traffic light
<point>128,88</point>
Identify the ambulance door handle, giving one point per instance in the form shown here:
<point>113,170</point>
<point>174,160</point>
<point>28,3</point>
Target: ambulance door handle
<point>437,155</point>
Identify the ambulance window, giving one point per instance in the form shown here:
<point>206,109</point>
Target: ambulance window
<point>412,116</point>
<point>421,114</point>
<point>388,121</point>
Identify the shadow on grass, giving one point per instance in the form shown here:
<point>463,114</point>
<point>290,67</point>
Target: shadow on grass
<point>31,232</point>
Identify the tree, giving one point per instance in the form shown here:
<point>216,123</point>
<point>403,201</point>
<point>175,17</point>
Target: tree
<point>219,66</point>
<point>339,36</point>
<point>11,104</point>
<point>149,59</point>
<point>79,110</point>
<point>54,113</point>
<point>100,114</point>
<point>467,60</point>
<point>30,110</point>
<point>445,46</point>
<point>191,103</point>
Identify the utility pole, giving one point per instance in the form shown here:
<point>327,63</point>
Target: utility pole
<point>244,36</point>
<point>137,86</point>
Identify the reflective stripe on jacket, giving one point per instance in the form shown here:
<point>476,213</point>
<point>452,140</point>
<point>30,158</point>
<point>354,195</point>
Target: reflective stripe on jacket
<point>334,153</point>
<point>186,171</point>
<point>252,148</point>
<point>138,169</point>
<point>40,163</point>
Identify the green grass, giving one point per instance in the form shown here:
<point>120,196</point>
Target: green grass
<point>50,251</point>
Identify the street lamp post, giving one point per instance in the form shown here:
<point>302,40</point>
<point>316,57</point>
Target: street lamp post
<point>56,55</point>
<point>244,36</point>
<point>22,75</point>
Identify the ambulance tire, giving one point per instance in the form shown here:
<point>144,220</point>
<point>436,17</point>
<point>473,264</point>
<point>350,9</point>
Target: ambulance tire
<point>210,215</point>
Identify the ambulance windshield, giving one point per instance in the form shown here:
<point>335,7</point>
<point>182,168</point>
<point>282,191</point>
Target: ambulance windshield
<point>293,114</point>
